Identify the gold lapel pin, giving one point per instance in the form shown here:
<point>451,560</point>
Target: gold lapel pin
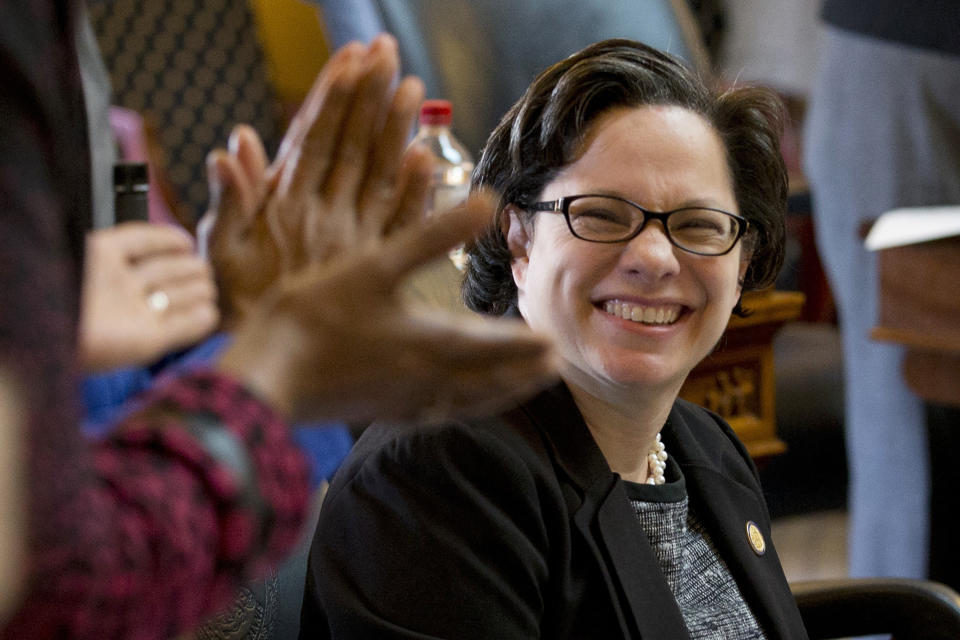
<point>757,543</point>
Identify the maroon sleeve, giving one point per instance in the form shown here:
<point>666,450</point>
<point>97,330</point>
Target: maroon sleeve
<point>141,535</point>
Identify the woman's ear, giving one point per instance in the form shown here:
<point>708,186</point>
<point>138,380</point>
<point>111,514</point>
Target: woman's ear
<point>742,274</point>
<point>741,278</point>
<point>518,236</point>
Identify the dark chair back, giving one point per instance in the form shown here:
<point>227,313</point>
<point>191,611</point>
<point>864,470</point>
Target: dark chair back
<point>908,609</point>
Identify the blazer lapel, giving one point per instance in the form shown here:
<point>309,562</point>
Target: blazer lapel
<point>606,521</point>
<point>729,512</point>
<point>730,509</point>
<point>649,601</point>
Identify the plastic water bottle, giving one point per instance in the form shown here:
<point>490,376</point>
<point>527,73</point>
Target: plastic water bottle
<point>453,164</point>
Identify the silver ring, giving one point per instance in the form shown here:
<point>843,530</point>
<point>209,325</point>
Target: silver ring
<point>158,301</point>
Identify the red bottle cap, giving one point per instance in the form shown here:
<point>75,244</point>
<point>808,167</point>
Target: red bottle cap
<point>436,112</point>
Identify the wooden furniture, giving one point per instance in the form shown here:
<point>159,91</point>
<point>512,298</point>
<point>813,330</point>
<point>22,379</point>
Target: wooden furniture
<point>920,308</point>
<point>737,379</point>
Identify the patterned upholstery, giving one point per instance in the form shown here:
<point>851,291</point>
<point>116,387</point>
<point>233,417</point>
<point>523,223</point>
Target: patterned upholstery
<point>253,615</point>
<point>269,608</point>
<point>193,70</point>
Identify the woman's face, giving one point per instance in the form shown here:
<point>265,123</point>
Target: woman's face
<point>662,158</point>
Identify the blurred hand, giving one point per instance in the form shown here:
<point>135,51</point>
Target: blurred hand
<point>334,341</point>
<point>145,293</point>
<point>311,251</point>
<point>331,186</point>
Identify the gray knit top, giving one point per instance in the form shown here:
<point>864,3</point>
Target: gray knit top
<point>709,599</point>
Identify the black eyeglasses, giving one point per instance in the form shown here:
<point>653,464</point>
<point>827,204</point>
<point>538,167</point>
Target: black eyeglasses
<point>598,218</point>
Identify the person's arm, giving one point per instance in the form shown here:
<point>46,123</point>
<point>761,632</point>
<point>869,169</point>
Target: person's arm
<point>148,531</point>
<point>442,533</point>
<point>146,296</point>
<point>132,538</point>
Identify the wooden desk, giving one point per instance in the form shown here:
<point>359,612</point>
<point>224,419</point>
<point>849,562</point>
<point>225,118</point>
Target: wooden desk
<point>920,309</point>
<point>737,379</point>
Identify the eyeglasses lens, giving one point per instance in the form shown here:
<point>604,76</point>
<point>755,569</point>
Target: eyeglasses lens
<point>602,219</point>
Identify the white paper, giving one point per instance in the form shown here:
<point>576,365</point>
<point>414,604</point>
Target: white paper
<point>900,227</point>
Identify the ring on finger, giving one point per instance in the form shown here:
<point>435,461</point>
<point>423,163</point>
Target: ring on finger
<point>158,301</point>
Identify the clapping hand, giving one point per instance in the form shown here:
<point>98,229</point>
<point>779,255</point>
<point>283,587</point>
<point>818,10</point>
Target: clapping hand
<point>331,187</point>
<point>311,251</point>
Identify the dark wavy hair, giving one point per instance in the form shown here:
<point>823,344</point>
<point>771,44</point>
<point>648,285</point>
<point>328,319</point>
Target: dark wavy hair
<point>544,132</point>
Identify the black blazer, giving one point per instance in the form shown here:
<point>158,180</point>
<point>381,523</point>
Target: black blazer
<point>516,527</point>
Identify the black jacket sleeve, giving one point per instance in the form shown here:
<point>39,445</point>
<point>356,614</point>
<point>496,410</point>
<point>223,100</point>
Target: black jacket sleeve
<point>434,534</point>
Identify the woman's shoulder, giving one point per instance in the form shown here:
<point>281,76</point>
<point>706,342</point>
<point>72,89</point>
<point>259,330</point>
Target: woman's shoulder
<point>506,432</point>
<point>462,514</point>
<point>494,452</point>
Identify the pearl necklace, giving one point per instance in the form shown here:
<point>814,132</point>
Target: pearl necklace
<point>657,462</point>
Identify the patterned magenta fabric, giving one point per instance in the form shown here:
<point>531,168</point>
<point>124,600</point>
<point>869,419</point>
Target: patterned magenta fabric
<point>142,535</point>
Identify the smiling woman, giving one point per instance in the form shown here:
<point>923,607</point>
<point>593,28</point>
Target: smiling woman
<point>636,207</point>
<point>672,158</point>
